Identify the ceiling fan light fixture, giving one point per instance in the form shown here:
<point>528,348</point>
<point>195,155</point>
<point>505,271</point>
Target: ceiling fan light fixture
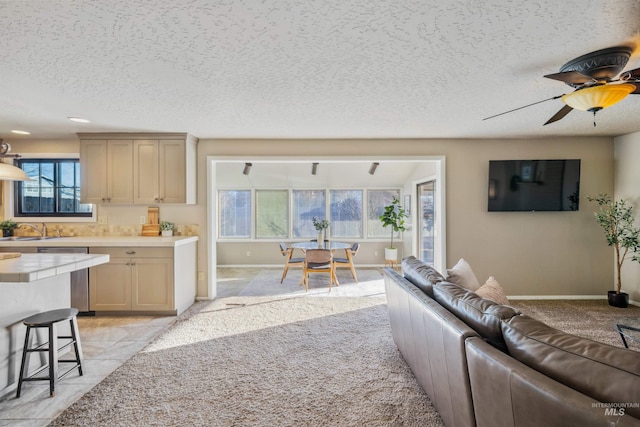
<point>596,98</point>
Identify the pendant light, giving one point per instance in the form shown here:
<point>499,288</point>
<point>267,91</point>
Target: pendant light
<point>9,172</point>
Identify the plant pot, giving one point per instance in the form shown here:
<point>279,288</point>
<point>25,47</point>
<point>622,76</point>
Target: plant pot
<point>391,254</point>
<point>167,233</point>
<point>7,233</point>
<point>620,300</point>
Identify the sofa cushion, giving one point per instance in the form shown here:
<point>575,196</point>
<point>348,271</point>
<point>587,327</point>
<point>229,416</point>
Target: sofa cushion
<point>492,290</point>
<point>420,274</point>
<point>461,274</point>
<point>606,373</point>
<point>482,315</point>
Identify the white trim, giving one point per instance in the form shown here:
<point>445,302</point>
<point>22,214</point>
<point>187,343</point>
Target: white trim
<point>211,196</point>
<point>536,297</point>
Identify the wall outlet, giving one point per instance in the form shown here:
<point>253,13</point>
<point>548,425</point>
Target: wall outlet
<point>103,220</point>
<point>143,220</point>
<point>375,253</point>
<point>248,253</point>
<point>200,275</point>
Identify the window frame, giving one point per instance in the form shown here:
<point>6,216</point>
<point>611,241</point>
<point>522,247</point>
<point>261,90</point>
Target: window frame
<point>291,213</point>
<point>9,195</point>
<point>56,186</point>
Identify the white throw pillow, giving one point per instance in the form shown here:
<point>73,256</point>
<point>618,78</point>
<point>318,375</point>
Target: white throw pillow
<point>492,290</point>
<point>461,274</point>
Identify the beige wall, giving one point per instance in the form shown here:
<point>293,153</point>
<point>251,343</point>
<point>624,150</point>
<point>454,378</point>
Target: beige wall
<point>545,253</point>
<point>627,177</point>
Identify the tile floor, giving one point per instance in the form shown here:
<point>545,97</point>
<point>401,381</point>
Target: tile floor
<point>107,342</point>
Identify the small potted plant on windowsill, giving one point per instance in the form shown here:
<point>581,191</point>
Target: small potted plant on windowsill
<point>393,216</point>
<point>7,227</point>
<point>166,228</point>
<point>617,220</point>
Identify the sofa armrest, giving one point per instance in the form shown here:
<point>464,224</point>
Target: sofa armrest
<point>431,340</point>
<point>508,393</point>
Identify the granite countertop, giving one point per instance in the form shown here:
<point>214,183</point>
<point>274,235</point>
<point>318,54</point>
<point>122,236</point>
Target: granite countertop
<point>31,267</point>
<point>89,241</point>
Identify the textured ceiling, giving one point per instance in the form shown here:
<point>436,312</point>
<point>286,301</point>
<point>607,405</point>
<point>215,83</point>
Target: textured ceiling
<point>304,68</point>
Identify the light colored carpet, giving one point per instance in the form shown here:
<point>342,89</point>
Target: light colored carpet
<point>262,361</point>
<point>593,319</point>
<point>267,282</point>
<point>285,361</point>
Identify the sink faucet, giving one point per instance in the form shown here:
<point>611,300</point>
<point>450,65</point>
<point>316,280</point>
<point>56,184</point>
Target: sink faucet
<point>43,232</point>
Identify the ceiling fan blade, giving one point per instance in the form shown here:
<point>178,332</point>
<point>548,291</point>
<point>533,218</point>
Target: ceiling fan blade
<point>524,106</point>
<point>559,115</point>
<point>631,74</point>
<point>570,77</point>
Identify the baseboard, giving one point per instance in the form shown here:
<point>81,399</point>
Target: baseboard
<point>542,297</point>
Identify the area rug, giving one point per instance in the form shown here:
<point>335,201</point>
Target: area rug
<point>264,361</point>
<point>267,282</point>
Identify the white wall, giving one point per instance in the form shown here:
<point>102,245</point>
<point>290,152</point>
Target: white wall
<point>627,178</point>
<point>545,253</point>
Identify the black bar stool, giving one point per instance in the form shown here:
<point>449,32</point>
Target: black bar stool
<point>49,320</point>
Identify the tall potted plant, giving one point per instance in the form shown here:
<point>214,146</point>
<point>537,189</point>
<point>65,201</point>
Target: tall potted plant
<point>616,219</point>
<point>394,217</point>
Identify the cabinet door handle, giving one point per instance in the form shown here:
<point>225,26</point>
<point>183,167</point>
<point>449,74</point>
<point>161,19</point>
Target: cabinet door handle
<point>127,263</point>
<point>131,252</point>
<point>133,263</point>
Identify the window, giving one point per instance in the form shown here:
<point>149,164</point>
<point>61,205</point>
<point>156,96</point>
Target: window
<point>377,200</point>
<point>235,213</point>
<point>346,213</point>
<point>288,213</point>
<point>306,205</point>
<point>54,190</point>
<point>272,214</point>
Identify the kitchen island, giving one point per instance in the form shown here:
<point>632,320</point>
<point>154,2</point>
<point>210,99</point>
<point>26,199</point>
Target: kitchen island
<point>30,284</point>
<point>145,275</point>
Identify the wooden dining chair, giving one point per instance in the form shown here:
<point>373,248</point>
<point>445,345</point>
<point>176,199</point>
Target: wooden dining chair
<point>348,261</point>
<point>318,261</point>
<point>289,261</point>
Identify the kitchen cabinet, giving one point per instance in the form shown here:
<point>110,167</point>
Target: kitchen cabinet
<point>106,171</point>
<point>135,279</point>
<point>160,168</point>
<point>160,171</point>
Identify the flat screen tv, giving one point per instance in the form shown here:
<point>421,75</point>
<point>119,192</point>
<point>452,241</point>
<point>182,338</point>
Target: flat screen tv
<point>534,185</point>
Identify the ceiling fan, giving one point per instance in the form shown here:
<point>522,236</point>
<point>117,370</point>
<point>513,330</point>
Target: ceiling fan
<point>598,81</point>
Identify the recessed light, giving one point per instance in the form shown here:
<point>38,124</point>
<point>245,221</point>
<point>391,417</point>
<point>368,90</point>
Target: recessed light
<point>21,132</point>
<point>78,120</point>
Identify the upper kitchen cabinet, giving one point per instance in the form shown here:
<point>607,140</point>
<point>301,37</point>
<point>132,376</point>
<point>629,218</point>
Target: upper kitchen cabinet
<point>163,167</point>
<point>106,171</point>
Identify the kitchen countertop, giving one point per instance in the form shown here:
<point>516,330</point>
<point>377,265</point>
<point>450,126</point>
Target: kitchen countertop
<point>32,267</point>
<point>89,241</point>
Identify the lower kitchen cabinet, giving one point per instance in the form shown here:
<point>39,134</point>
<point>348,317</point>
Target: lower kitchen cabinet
<point>140,279</point>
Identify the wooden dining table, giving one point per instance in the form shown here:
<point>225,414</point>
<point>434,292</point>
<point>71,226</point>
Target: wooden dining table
<point>331,245</point>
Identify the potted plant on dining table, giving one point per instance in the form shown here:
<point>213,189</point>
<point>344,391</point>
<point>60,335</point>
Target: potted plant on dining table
<point>321,226</point>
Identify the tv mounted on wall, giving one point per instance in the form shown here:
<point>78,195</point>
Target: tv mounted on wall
<point>534,185</point>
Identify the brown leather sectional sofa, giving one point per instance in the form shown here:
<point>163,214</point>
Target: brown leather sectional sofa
<point>487,365</point>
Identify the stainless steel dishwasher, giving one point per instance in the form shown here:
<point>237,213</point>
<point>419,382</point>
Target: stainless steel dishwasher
<point>79,279</point>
